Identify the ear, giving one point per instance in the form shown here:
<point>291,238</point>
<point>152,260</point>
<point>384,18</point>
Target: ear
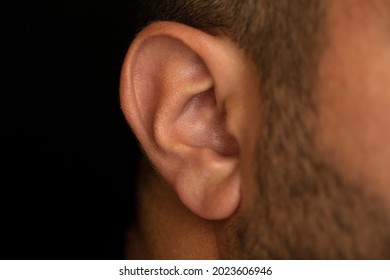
<point>176,88</point>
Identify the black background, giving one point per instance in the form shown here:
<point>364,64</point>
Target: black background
<point>68,156</point>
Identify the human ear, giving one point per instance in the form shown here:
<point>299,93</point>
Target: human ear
<point>176,88</point>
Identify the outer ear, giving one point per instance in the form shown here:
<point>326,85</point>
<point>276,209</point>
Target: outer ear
<point>175,87</point>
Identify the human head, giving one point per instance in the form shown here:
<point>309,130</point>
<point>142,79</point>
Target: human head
<point>234,102</point>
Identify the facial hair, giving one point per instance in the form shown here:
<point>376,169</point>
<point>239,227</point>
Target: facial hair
<point>305,209</point>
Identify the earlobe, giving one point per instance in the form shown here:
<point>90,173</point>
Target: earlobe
<point>173,100</point>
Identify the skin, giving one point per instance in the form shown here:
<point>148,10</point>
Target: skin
<point>354,97</point>
<point>350,139</point>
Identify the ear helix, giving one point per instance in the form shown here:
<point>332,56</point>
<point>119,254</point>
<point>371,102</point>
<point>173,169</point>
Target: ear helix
<point>171,101</point>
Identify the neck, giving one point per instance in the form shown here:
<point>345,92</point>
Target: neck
<point>165,228</point>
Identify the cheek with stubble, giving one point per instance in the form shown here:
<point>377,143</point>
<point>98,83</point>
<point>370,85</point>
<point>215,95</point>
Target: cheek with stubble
<point>354,104</point>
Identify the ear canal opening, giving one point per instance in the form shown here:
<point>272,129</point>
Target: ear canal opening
<point>230,147</point>
<point>203,124</point>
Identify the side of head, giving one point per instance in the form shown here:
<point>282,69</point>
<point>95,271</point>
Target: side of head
<point>226,102</point>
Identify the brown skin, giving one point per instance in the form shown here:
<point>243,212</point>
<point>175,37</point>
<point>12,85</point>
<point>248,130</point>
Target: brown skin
<point>347,162</point>
<point>354,93</point>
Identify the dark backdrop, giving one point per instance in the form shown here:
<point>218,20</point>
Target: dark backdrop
<point>68,156</point>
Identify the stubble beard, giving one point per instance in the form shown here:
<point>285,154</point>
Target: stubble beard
<point>305,209</point>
